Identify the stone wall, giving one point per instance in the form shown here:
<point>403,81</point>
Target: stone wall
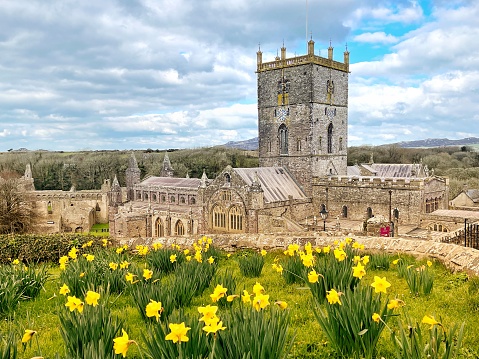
<point>457,258</point>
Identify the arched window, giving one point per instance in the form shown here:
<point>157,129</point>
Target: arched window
<point>340,143</point>
<point>49,207</point>
<point>369,212</point>
<point>163,199</point>
<point>159,228</point>
<point>153,197</point>
<point>192,200</point>
<point>345,212</point>
<point>179,228</point>
<point>330,138</point>
<point>219,217</point>
<point>172,199</point>
<point>298,144</point>
<point>227,178</point>
<point>235,219</point>
<point>283,139</point>
<point>182,200</point>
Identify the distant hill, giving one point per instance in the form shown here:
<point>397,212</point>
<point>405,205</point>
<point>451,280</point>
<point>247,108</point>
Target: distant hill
<point>439,142</point>
<point>249,145</point>
<point>252,144</point>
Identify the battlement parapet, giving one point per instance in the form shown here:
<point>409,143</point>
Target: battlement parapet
<point>369,181</point>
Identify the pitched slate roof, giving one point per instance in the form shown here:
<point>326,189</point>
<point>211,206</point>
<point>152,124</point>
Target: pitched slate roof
<point>473,194</point>
<point>277,183</point>
<point>387,170</point>
<point>171,182</point>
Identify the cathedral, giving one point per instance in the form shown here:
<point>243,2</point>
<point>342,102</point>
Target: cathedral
<point>303,174</point>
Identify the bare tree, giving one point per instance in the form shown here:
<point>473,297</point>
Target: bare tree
<point>16,215</point>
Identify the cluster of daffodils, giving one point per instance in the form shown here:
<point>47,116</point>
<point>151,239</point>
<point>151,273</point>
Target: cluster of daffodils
<point>211,320</point>
<point>74,303</point>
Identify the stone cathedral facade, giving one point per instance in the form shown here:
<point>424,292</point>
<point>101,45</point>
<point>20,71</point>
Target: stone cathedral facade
<point>303,135</point>
<point>303,169</point>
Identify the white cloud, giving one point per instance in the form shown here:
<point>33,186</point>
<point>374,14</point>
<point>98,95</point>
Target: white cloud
<point>376,37</point>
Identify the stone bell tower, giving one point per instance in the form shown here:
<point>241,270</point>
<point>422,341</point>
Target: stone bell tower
<point>303,114</point>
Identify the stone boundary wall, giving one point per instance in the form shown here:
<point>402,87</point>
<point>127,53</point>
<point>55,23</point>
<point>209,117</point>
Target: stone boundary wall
<point>455,257</point>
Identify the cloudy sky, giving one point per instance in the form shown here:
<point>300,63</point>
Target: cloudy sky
<point>137,74</point>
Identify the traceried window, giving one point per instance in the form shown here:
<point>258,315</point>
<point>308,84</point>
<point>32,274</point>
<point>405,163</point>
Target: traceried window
<point>219,217</point>
<point>283,139</point>
<point>179,228</point>
<point>235,219</point>
<point>159,228</point>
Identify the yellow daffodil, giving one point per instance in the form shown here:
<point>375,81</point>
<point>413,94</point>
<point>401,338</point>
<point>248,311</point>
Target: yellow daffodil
<point>90,257</point>
<point>74,303</point>
<point>327,249</point>
<point>82,274</point>
<point>198,256</point>
<point>318,250</point>
<point>213,327</point>
<point>231,297</point>
<point>113,265</point>
<point>92,298</point>
<point>395,303</point>
<point>365,260</point>
<point>104,242</point>
<point>15,262</point>
<point>154,309</point>
<point>120,250</point>
<point>173,258</point>
<point>124,265</point>
<point>359,271</point>
<point>261,301</point>
<point>308,248</point>
<point>209,312</point>
<point>376,317</point>
<point>157,246</point>
<point>121,344</point>
<point>64,290</point>
<point>340,254</point>
<point>211,260</point>
<point>356,245</point>
<point>356,259</point>
<point>263,252</point>
<point>188,258</point>
<point>147,273</point>
<point>429,263</point>
<point>228,255</point>
<point>73,253</point>
<point>209,240</point>
<point>258,289</point>
<point>396,261</point>
<point>333,297</point>
<point>281,304</point>
<point>380,284</point>
<point>218,293</point>
<point>178,332</point>
<point>308,260</point>
<point>313,276</point>
<point>130,277</point>
<point>246,297</point>
<point>28,335</point>
<point>186,252</point>
<point>430,321</point>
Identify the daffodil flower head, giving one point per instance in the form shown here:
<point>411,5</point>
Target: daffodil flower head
<point>333,297</point>
<point>283,305</point>
<point>246,297</point>
<point>376,317</point>
<point>121,344</point>
<point>64,290</point>
<point>261,301</point>
<point>359,271</point>
<point>258,289</point>
<point>313,276</point>
<point>380,284</point>
<point>154,309</point>
<point>28,335</point>
<point>92,298</point>
<point>173,258</point>
<point>263,252</point>
<point>178,332</point>
<point>430,321</point>
<point>147,273</point>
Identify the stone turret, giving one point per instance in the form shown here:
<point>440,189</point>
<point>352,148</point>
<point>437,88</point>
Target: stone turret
<point>133,174</point>
<point>115,193</point>
<point>28,179</point>
<point>167,169</point>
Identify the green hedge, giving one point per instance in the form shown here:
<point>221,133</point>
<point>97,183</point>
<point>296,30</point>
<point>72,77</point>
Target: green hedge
<point>33,248</point>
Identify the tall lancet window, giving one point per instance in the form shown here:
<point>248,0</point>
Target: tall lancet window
<point>330,138</point>
<point>283,139</point>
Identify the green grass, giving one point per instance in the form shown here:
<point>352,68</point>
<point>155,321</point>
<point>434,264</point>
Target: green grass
<point>454,299</point>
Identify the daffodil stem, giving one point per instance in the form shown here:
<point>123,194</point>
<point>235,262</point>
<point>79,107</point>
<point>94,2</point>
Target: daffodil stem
<point>38,345</point>
<point>212,354</point>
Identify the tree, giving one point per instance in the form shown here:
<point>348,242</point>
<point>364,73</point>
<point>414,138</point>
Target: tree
<point>16,215</point>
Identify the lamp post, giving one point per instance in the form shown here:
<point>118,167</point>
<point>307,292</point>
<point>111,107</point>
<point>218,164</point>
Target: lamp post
<point>324,216</point>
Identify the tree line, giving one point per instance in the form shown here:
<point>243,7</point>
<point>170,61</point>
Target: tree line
<point>88,170</point>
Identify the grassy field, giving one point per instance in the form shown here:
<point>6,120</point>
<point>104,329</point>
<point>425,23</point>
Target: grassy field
<point>454,299</point>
